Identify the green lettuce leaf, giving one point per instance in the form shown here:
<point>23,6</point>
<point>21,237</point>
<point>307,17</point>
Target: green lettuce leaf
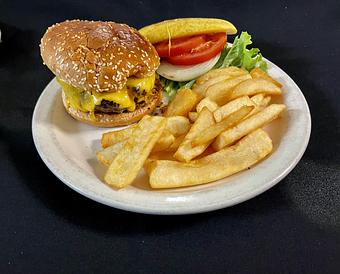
<point>238,55</point>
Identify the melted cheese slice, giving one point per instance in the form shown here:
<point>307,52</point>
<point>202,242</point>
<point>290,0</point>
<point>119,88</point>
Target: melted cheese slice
<point>86,100</point>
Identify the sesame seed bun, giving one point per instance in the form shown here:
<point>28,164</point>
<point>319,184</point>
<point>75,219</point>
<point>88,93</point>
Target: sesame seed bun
<point>97,56</point>
<point>114,120</point>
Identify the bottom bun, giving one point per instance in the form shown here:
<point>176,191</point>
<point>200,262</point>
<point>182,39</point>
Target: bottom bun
<point>116,119</point>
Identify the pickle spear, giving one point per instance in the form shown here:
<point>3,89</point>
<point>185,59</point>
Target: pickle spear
<point>182,27</point>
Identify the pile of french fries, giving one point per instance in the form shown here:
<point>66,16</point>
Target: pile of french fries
<point>207,133</point>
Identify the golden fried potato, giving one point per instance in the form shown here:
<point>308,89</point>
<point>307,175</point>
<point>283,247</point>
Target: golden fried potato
<point>192,116</point>
<point>259,73</point>
<point>107,155</point>
<point>127,163</point>
<point>222,91</point>
<point>201,89</point>
<point>247,152</point>
<point>177,125</point>
<point>228,72</point>
<point>175,145</point>
<point>232,106</point>
<point>208,103</point>
<point>214,76</point>
<point>208,135</point>
<point>258,98</point>
<point>248,125</point>
<point>114,137</point>
<point>164,141</point>
<point>254,86</point>
<point>260,101</point>
<point>228,108</point>
<point>184,101</point>
<point>186,151</point>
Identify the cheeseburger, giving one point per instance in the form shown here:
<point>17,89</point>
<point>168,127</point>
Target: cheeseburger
<point>106,71</point>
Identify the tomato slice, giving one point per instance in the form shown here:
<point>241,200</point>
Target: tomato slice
<point>179,45</point>
<point>212,46</point>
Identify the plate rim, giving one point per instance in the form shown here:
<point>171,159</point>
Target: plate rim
<point>249,194</point>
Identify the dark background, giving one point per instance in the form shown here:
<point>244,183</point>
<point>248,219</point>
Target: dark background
<point>45,227</point>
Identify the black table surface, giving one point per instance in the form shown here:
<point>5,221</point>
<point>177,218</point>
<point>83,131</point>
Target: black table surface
<point>45,227</point>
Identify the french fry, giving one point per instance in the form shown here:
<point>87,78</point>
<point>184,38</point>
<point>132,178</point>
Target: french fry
<point>114,137</point>
<point>160,155</point>
<point>148,163</point>
<point>209,134</point>
<point>206,102</point>
<point>186,151</point>
<point>258,98</point>
<point>192,116</point>
<point>254,122</point>
<point>175,145</point>
<point>259,73</point>
<point>228,107</point>
<point>201,88</point>
<point>228,72</point>
<point>177,125</point>
<point>265,102</point>
<point>214,76</point>
<point>260,102</point>
<point>157,156</point>
<point>126,165</point>
<point>255,86</point>
<point>247,152</point>
<point>164,141</point>
<point>222,91</point>
<point>232,106</point>
<point>107,155</point>
<point>184,101</point>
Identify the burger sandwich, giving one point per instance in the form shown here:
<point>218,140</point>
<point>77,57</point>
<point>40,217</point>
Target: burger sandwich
<point>106,71</point>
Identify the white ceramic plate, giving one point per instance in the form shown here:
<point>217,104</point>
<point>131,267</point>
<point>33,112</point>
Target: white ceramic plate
<point>68,149</point>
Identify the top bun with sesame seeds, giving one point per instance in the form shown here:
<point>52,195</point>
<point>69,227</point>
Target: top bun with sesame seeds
<point>109,62</point>
<point>96,55</point>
